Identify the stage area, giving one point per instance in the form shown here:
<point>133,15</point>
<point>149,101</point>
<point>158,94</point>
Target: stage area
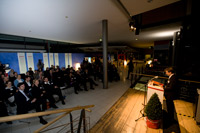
<point>120,118</point>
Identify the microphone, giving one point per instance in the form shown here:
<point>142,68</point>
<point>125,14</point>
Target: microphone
<point>155,77</point>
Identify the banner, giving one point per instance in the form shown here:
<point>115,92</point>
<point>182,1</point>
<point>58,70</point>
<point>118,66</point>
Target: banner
<point>29,57</point>
<point>51,61</point>
<point>70,59</point>
<point>56,59</point>
<point>45,60</point>
<point>22,63</point>
<point>66,60</point>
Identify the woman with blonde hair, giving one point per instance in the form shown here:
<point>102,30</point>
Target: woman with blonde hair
<point>39,93</point>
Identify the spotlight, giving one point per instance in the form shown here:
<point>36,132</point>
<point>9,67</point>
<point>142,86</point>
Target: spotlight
<point>135,24</point>
<point>132,26</point>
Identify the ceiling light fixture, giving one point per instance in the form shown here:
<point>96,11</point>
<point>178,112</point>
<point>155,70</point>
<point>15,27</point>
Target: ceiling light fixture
<point>134,21</point>
<point>132,26</point>
<point>135,24</point>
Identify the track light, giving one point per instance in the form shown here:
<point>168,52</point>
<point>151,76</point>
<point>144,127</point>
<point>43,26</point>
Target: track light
<point>135,23</point>
<point>132,26</point>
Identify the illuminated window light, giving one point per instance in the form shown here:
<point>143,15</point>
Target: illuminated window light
<point>89,60</point>
<point>164,34</point>
<point>77,65</point>
<point>125,63</point>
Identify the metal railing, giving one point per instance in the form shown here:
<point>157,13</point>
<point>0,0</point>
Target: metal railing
<point>64,111</point>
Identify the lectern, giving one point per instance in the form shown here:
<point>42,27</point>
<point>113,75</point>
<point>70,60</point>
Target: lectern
<point>155,87</point>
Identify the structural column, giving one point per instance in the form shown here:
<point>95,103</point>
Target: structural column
<point>105,52</point>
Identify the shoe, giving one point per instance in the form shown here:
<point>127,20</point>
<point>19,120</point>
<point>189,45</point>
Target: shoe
<point>96,84</point>
<point>63,102</point>
<point>54,106</point>
<point>44,109</point>
<point>9,122</point>
<point>42,121</point>
<point>92,88</point>
<point>76,92</point>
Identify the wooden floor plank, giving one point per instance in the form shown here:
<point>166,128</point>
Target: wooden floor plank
<point>183,110</point>
<point>120,118</point>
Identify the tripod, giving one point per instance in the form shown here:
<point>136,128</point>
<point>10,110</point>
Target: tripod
<point>145,87</point>
<point>146,82</point>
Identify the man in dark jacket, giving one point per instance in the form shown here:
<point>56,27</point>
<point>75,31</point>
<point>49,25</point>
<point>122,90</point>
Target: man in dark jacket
<point>170,91</point>
<point>25,103</point>
<point>51,89</point>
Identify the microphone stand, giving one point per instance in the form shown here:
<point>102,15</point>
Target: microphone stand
<point>145,99</point>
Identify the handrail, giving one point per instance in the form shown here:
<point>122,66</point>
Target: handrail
<point>30,115</point>
<point>51,122</point>
<point>166,78</point>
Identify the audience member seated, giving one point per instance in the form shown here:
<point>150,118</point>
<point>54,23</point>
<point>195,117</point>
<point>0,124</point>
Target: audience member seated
<point>46,72</point>
<point>28,85</point>
<point>30,72</point>
<point>18,80</point>
<point>2,68</point>
<point>51,75</point>
<point>36,74</point>
<point>25,103</point>
<point>3,108</point>
<point>86,78</point>
<point>5,80</point>
<point>78,81</point>
<point>40,94</point>
<point>41,76</point>
<point>12,76</point>
<point>51,89</point>
<point>9,93</point>
<point>72,80</point>
<point>58,77</point>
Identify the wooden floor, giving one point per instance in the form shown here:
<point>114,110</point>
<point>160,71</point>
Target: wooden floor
<point>120,118</point>
<point>185,117</point>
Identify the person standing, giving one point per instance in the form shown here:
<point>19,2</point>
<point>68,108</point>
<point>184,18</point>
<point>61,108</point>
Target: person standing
<point>40,65</point>
<point>130,68</point>
<point>170,91</point>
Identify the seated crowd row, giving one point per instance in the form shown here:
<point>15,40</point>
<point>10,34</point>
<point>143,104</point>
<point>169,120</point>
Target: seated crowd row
<point>29,91</point>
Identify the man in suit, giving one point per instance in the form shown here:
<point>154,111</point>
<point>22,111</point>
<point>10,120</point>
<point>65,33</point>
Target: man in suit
<point>87,78</point>
<point>170,91</point>
<point>51,89</point>
<point>25,103</point>
<point>28,85</point>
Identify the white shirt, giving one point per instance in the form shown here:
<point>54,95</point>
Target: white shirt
<point>24,94</point>
<point>28,83</point>
<point>170,77</point>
